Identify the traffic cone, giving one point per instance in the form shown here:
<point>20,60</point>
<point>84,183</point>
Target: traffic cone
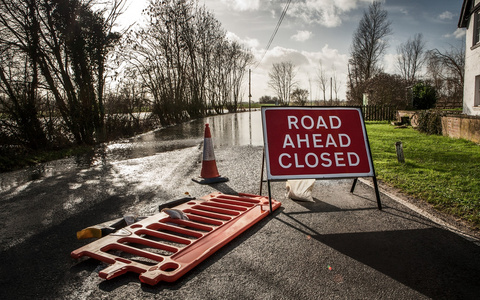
<point>209,171</point>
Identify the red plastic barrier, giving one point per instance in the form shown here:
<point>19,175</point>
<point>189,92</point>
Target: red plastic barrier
<point>160,248</point>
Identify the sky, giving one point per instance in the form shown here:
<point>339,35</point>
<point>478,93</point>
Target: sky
<point>321,31</point>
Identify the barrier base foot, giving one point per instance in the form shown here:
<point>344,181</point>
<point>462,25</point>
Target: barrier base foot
<point>210,180</point>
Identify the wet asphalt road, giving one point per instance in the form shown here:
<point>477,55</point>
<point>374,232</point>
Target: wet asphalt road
<point>339,247</point>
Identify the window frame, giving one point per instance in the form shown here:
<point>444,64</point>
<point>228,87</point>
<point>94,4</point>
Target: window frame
<point>476,95</point>
<point>476,29</point>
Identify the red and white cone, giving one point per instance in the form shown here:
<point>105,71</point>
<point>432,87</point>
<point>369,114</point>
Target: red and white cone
<point>209,171</point>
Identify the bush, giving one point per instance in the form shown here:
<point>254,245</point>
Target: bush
<point>424,96</point>
<point>430,122</point>
<point>268,100</point>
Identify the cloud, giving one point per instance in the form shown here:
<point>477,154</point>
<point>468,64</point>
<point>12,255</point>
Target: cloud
<point>280,54</point>
<point>446,15</point>
<point>243,5</point>
<point>331,59</point>
<point>302,36</point>
<point>458,33</point>
<point>390,63</point>
<point>306,66</point>
<point>247,42</point>
<point>327,13</point>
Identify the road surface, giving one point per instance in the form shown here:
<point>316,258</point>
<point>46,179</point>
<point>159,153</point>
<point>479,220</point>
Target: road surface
<point>338,247</point>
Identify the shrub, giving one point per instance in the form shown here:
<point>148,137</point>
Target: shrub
<point>424,96</point>
<point>430,122</point>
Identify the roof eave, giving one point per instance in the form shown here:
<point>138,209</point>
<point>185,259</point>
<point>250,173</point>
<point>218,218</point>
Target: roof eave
<point>464,15</point>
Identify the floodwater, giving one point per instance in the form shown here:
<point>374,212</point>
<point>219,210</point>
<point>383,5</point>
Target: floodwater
<point>238,129</point>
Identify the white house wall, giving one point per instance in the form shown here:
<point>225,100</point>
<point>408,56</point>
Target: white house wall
<point>472,69</point>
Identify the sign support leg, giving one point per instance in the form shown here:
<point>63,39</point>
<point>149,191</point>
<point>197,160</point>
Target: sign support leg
<point>269,196</point>
<point>375,185</point>
<point>261,173</point>
<point>354,184</point>
<point>377,193</point>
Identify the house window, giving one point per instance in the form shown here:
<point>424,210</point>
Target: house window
<point>476,28</point>
<point>477,91</point>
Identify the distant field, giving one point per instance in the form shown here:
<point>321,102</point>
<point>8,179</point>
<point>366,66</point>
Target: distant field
<point>244,105</point>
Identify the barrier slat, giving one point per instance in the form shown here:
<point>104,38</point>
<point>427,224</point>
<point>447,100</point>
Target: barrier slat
<point>160,226</point>
<point>233,202</point>
<point>229,212</point>
<point>164,236</point>
<point>205,220</point>
<point>192,225</point>
<point>214,220</point>
<point>207,214</point>
<point>226,206</point>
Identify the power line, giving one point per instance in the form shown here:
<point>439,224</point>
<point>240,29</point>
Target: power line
<point>284,12</point>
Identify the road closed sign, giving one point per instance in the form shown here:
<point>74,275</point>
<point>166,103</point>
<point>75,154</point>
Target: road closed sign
<point>315,142</point>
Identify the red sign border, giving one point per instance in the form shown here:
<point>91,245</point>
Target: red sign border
<point>319,176</point>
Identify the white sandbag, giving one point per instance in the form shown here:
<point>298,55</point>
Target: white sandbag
<point>300,189</point>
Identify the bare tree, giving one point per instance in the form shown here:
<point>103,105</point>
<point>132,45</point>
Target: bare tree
<point>386,89</point>
<point>186,61</point>
<point>410,58</point>
<point>368,47</point>
<point>64,45</point>
<point>446,70</point>
<point>322,80</point>
<point>240,59</point>
<point>337,83</point>
<point>204,39</point>
<point>19,72</point>
<point>282,80</point>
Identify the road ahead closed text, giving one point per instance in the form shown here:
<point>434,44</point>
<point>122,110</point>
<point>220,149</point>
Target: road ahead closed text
<point>316,142</point>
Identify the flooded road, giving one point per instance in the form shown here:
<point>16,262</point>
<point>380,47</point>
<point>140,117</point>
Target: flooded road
<point>227,130</point>
<point>137,173</point>
<point>42,207</point>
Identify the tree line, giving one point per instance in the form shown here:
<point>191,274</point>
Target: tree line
<point>52,63</point>
<point>442,79</point>
<point>184,60</point>
<point>423,76</point>
<point>287,89</point>
<point>68,77</point>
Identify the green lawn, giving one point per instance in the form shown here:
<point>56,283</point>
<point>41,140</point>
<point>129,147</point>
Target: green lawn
<point>442,171</point>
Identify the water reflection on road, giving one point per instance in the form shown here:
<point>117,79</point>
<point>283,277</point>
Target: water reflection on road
<point>227,130</point>
<point>236,129</point>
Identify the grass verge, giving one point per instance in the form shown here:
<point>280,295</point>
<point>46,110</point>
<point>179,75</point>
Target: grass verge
<point>440,170</point>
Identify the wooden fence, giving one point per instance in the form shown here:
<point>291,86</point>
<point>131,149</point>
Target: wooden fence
<point>378,113</point>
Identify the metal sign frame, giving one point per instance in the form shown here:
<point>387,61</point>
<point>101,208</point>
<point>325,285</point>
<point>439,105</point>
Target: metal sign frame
<point>276,118</point>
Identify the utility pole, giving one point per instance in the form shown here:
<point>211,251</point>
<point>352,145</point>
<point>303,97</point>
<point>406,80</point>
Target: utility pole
<point>310,84</point>
<point>249,90</point>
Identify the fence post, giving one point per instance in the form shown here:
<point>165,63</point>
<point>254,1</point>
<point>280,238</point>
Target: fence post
<point>399,148</point>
